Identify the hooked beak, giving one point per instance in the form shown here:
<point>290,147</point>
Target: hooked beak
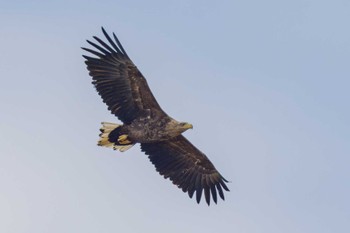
<point>188,126</point>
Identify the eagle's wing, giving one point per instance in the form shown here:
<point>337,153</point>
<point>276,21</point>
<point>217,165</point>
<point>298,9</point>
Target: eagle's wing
<point>187,167</point>
<point>118,81</point>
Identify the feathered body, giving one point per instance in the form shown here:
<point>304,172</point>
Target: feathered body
<point>128,96</point>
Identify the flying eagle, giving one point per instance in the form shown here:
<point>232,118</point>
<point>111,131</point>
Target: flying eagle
<point>125,91</point>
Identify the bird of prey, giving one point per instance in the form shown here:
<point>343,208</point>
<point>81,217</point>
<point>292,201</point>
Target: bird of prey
<point>126,92</point>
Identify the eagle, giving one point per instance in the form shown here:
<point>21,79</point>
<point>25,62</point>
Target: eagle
<point>126,92</point>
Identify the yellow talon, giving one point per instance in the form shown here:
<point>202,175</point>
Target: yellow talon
<point>123,139</point>
<point>125,142</point>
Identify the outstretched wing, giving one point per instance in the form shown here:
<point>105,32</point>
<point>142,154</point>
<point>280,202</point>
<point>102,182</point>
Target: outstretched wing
<point>118,81</point>
<point>187,167</point>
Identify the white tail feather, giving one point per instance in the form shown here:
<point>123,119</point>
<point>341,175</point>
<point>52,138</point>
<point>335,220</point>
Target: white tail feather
<point>106,129</point>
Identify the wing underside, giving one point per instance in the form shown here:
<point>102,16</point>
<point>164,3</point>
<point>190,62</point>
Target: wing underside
<point>118,81</point>
<point>187,167</point>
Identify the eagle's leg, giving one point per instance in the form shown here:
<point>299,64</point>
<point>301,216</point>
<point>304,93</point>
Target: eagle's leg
<point>123,139</point>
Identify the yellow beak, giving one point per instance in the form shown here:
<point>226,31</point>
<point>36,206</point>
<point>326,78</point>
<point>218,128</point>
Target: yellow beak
<point>188,126</point>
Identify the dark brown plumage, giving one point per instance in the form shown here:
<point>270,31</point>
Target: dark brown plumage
<point>127,95</point>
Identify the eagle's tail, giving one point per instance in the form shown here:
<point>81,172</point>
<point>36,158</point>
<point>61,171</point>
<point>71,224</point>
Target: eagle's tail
<point>111,137</point>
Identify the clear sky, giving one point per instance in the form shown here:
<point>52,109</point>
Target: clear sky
<point>265,84</point>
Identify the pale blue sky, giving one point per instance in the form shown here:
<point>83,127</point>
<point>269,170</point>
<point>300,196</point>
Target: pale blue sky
<point>265,84</point>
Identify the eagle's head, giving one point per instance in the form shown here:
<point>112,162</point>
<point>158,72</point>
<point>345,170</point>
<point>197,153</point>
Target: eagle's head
<point>175,128</point>
<point>185,126</point>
